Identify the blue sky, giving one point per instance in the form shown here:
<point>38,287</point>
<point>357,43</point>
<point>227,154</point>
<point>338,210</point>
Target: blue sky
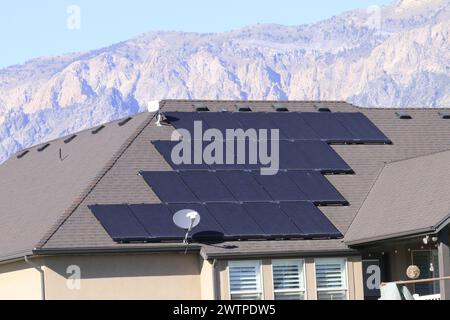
<point>31,29</point>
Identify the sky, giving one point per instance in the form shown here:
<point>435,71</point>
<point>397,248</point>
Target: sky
<point>30,29</point>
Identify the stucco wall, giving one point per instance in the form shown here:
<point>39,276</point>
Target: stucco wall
<point>19,281</point>
<point>152,276</point>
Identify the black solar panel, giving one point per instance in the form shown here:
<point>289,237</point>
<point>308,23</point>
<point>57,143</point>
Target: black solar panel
<point>236,222</point>
<point>328,127</point>
<point>206,186</point>
<point>361,127</point>
<point>272,220</point>
<point>221,121</point>
<point>280,187</point>
<point>119,222</point>
<point>311,155</point>
<point>165,149</point>
<point>310,220</point>
<point>243,186</point>
<point>157,221</point>
<point>185,120</point>
<point>169,187</point>
<point>293,126</point>
<point>256,121</point>
<point>317,188</point>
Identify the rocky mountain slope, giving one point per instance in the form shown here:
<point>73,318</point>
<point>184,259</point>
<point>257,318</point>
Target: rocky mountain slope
<point>393,56</point>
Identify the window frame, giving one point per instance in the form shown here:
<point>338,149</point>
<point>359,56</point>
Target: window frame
<point>303,290</point>
<point>260,278</point>
<point>344,263</point>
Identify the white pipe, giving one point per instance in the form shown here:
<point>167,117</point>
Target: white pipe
<point>41,272</point>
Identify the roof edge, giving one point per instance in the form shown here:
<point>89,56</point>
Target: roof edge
<point>393,236</point>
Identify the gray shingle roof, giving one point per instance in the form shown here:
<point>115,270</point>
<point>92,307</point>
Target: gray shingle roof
<point>46,203</point>
<point>409,197</point>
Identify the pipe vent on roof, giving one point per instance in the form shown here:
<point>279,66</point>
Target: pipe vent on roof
<point>43,147</point>
<point>321,108</point>
<point>98,129</point>
<point>243,108</point>
<point>403,115</point>
<point>124,122</point>
<point>23,154</point>
<point>70,139</point>
<point>200,107</point>
<point>280,108</point>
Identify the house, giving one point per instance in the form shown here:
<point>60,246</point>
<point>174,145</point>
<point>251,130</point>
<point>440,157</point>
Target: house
<point>359,195</point>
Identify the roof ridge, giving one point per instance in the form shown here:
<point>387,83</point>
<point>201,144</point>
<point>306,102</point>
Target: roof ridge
<point>108,166</point>
<point>416,157</point>
<point>62,138</point>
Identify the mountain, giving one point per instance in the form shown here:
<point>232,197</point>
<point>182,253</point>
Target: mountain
<point>390,56</point>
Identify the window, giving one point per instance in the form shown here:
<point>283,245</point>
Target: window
<point>288,279</point>
<point>245,280</point>
<point>331,279</point>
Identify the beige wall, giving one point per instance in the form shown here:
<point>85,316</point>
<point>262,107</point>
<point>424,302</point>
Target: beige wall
<point>19,281</point>
<point>152,276</point>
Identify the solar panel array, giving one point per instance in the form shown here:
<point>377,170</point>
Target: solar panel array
<point>242,186</point>
<point>340,127</point>
<point>219,221</point>
<point>234,200</point>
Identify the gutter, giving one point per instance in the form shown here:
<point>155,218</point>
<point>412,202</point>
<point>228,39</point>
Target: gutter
<point>42,275</point>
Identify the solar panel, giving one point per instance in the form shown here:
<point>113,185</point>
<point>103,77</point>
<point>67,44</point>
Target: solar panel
<point>328,127</point>
<point>221,121</point>
<point>157,221</point>
<point>206,186</point>
<point>185,120</point>
<point>274,222</point>
<point>165,149</point>
<point>243,186</point>
<point>310,220</point>
<point>235,220</point>
<point>311,155</point>
<point>256,121</point>
<point>317,188</point>
<point>293,126</point>
<point>169,187</point>
<point>280,187</point>
<point>362,128</point>
<point>119,222</point>
<point>208,228</point>
<point>320,156</point>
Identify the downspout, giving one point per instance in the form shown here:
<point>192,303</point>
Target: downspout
<point>215,279</point>
<point>41,272</point>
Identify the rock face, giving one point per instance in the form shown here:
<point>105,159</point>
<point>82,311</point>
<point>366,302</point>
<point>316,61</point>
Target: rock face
<point>393,56</point>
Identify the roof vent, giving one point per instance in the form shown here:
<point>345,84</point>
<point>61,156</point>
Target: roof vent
<point>321,108</point>
<point>445,116</point>
<point>200,107</point>
<point>280,108</point>
<point>23,154</point>
<point>70,139</point>
<point>43,147</point>
<point>124,122</point>
<point>98,129</point>
<point>403,116</point>
<point>243,108</point>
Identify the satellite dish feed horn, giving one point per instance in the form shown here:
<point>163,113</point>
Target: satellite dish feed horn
<point>186,219</point>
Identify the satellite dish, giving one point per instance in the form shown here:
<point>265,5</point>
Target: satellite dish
<point>186,219</point>
<point>153,106</point>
